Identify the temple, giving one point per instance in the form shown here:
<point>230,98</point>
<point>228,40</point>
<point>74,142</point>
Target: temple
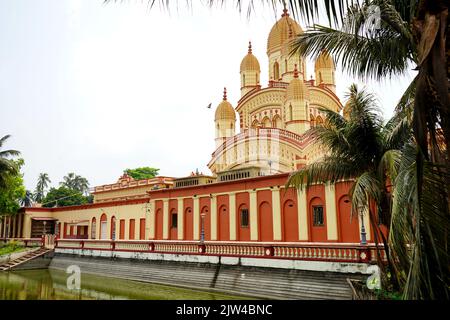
<point>244,199</point>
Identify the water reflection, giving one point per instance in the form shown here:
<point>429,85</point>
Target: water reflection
<point>46,284</point>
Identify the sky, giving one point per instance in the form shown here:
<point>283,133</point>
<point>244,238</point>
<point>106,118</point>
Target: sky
<point>96,88</point>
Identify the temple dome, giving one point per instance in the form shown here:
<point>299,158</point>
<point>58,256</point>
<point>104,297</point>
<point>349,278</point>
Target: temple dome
<point>281,31</point>
<point>225,110</point>
<point>250,62</point>
<point>297,89</point>
<point>324,60</point>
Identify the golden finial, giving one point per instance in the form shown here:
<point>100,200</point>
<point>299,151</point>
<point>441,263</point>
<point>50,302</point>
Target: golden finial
<point>295,71</point>
<point>249,47</point>
<point>225,94</point>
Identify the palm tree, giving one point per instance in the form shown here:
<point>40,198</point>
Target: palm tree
<point>409,33</point>
<point>362,150</point>
<point>42,185</point>
<point>75,182</point>
<point>7,166</point>
<point>27,200</point>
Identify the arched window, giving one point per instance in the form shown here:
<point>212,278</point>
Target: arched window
<point>103,223</point>
<point>255,124</point>
<point>312,120</point>
<point>276,122</point>
<point>285,65</point>
<point>93,228</point>
<point>266,123</point>
<point>276,71</point>
<point>319,121</point>
<point>290,112</point>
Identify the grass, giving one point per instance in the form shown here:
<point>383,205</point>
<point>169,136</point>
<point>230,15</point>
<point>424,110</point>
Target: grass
<point>10,247</point>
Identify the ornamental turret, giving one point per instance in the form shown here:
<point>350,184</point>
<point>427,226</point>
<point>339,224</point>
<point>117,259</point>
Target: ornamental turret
<point>224,120</point>
<point>296,106</point>
<point>250,72</point>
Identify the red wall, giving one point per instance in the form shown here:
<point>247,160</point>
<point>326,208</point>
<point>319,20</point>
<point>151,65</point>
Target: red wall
<point>242,201</point>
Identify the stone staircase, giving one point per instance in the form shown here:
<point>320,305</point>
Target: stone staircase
<point>265,283</point>
<point>24,259</point>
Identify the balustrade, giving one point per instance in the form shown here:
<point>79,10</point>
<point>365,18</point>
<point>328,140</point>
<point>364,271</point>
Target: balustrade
<point>292,251</point>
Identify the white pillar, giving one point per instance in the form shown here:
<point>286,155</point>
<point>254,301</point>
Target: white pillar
<point>253,216</point>
<point>232,210</point>
<point>276,214</point>
<point>331,216</point>
<point>196,222</point>
<point>180,219</point>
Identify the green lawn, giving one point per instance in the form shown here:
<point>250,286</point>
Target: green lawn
<point>10,248</point>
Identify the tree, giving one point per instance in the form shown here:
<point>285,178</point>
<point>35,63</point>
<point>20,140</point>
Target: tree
<point>408,33</point>
<point>75,182</point>
<point>142,173</point>
<point>14,191</point>
<point>27,200</point>
<point>42,185</point>
<point>7,166</point>
<point>62,197</point>
<point>362,150</point>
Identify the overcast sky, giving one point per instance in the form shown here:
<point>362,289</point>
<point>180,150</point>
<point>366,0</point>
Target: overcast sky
<point>95,89</point>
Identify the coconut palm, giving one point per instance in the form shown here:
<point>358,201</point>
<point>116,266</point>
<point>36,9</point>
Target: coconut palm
<point>41,186</point>
<point>27,200</point>
<point>362,150</point>
<point>75,182</point>
<point>7,166</point>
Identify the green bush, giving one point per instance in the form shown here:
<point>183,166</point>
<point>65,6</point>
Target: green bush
<point>12,246</point>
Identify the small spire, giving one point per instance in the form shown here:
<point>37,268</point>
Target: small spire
<point>285,10</point>
<point>295,71</point>
<point>249,47</point>
<point>224,94</point>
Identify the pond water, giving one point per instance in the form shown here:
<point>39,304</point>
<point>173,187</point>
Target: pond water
<point>49,284</point>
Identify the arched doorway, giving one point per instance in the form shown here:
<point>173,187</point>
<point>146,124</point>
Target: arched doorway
<point>224,224</point>
<point>188,224</point>
<point>349,225</point>
<point>93,228</point>
<point>290,221</point>
<point>103,227</point>
<point>173,224</point>
<point>265,222</point>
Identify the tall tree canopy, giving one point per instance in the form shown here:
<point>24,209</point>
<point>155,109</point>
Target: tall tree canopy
<point>41,187</point>
<point>75,182</point>
<point>62,197</point>
<point>142,173</point>
<point>14,191</point>
<point>7,166</point>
